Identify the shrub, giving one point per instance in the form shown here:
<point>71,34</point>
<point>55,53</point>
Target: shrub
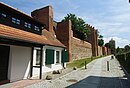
<point>121,57</point>
<point>128,59</point>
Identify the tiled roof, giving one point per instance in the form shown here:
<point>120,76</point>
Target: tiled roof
<point>17,34</point>
<point>50,36</point>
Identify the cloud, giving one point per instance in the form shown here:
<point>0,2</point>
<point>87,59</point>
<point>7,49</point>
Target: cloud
<point>119,41</point>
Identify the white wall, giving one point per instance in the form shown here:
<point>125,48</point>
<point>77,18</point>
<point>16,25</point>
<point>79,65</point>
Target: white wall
<point>47,68</point>
<point>19,63</point>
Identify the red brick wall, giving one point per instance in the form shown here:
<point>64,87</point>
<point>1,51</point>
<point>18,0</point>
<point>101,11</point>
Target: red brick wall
<point>80,49</point>
<point>104,50</point>
<point>64,34</point>
<point>77,48</point>
<point>45,16</point>
<point>93,39</point>
<point>100,51</point>
<point>108,51</point>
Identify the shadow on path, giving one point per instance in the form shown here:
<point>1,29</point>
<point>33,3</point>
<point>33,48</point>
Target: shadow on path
<point>101,82</point>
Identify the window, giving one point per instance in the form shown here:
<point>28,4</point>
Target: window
<point>3,15</point>
<point>57,57</point>
<point>38,57</point>
<point>15,20</point>
<point>28,25</point>
<point>37,28</point>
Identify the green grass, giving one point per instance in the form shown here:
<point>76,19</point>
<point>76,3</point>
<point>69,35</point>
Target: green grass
<point>80,63</point>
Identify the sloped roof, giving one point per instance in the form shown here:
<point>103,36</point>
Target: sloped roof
<point>50,36</point>
<point>17,34</point>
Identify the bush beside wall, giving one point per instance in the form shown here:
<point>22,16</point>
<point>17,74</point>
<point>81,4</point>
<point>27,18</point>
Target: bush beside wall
<point>124,60</point>
<point>128,59</point>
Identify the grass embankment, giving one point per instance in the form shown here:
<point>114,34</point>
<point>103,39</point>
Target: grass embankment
<point>81,62</point>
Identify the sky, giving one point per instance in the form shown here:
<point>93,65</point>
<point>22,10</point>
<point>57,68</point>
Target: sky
<point>110,17</point>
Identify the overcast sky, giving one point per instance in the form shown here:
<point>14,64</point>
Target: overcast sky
<point>110,17</point>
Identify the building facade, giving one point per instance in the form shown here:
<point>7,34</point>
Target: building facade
<point>27,47</point>
<point>32,45</point>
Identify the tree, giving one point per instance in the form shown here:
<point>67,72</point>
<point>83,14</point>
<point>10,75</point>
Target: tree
<point>127,48</point>
<point>100,40</point>
<point>119,50</point>
<point>79,27</point>
<point>111,45</point>
<point>107,45</point>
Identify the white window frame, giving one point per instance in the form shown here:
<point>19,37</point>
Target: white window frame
<point>37,50</point>
<point>3,15</point>
<point>44,57</point>
<point>15,20</point>
<point>55,49</point>
<point>34,55</point>
<point>27,25</point>
<point>36,28</point>
<point>59,57</point>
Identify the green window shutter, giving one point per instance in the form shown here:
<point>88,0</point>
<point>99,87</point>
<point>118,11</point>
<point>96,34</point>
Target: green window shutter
<point>49,56</point>
<point>65,56</point>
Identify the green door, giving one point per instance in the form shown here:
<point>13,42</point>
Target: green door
<point>49,56</point>
<point>65,56</point>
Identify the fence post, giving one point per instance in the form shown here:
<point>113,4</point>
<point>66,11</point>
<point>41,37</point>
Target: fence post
<point>85,65</point>
<point>107,65</point>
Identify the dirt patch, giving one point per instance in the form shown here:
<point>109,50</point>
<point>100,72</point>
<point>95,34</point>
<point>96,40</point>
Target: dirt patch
<point>72,80</point>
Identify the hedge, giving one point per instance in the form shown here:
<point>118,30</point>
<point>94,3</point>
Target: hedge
<point>124,59</point>
<point>128,59</point>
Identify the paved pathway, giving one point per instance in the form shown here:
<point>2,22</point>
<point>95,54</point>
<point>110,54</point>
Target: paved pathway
<point>96,76</point>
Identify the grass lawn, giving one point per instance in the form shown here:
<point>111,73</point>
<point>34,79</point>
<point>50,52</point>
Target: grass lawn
<point>80,63</point>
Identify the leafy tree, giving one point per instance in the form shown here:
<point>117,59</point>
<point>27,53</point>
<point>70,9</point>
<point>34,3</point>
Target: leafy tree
<point>119,50</point>
<point>79,27</point>
<point>100,36</point>
<point>111,45</point>
<point>127,48</point>
<point>100,40</point>
<point>107,45</point>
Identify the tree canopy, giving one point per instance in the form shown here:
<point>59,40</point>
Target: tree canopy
<point>119,50</point>
<point>111,45</point>
<point>107,45</point>
<point>127,48</point>
<point>79,27</point>
<point>100,40</point>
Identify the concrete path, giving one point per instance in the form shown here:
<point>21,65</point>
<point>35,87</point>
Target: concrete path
<point>96,76</point>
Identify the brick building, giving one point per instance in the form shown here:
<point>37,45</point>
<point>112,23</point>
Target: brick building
<point>32,45</point>
<point>63,32</point>
<point>28,47</point>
